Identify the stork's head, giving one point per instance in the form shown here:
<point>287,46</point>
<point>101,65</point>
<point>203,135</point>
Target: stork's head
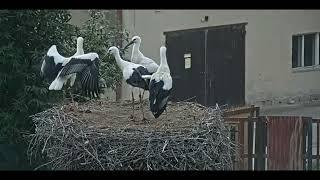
<point>79,41</point>
<point>134,40</point>
<point>163,50</point>
<point>113,50</point>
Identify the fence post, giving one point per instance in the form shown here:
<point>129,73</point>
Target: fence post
<point>307,143</point>
<point>309,147</point>
<point>250,141</point>
<point>318,148</point>
<point>304,141</point>
<point>241,140</point>
<point>260,143</point>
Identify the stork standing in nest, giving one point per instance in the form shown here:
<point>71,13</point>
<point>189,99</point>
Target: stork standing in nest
<point>138,57</point>
<point>132,73</point>
<point>61,69</point>
<point>160,85</point>
<point>52,64</point>
<point>79,51</point>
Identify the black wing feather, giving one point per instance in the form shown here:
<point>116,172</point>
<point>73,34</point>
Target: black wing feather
<point>51,70</point>
<point>89,74</point>
<point>136,79</point>
<point>75,66</point>
<point>84,78</point>
<point>158,95</point>
<point>90,79</point>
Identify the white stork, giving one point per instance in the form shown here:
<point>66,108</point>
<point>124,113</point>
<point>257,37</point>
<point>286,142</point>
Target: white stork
<point>138,58</point>
<point>52,62</point>
<point>61,69</point>
<point>79,51</point>
<point>160,85</point>
<point>86,65</point>
<point>132,73</point>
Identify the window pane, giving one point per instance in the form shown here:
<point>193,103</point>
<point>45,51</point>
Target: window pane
<point>309,49</point>
<point>296,51</point>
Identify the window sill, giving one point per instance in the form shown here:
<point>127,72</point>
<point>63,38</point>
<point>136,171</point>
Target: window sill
<point>306,69</point>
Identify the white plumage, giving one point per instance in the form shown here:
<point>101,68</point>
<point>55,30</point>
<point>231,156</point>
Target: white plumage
<point>59,70</point>
<point>138,58</point>
<point>129,70</point>
<point>76,67</point>
<point>132,73</point>
<point>52,63</point>
<point>79,51</point>
<point>50,70</point>
<point>160,86</point>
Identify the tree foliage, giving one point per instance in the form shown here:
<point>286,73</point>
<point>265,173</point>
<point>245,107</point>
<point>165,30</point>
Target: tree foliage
<point>100,32</point>
<point>25,37</point>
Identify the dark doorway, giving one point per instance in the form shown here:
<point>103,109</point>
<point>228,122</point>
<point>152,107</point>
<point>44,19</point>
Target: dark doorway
<point>208,64</point>
<point>188,80</point>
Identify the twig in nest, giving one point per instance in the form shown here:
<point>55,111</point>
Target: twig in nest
<point>165,145</point>
<point>96,158</point>
<point>47,140</point>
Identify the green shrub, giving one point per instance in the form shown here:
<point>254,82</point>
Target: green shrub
<point>100,32</point>
<point>25,37</point>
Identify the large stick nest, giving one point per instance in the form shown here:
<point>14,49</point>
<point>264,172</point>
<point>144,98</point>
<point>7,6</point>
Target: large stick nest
<point>99,135</point>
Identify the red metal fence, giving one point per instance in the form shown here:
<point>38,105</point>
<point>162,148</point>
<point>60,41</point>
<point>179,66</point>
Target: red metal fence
<point>275,142</point>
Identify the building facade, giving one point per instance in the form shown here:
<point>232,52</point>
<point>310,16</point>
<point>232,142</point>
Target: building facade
<point>277,52</point>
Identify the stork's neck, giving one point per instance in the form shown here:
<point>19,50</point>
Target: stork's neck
<point>121,63</point>
<point>164,67</point>
<point>136,51</point>
<point>79,49</point>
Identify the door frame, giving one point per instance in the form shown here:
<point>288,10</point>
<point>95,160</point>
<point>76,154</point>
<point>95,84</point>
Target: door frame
<point>206,29</point>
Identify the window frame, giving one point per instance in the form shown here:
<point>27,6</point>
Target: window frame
<point>303,68</point>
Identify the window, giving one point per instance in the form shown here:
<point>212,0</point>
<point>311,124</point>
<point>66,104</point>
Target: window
<point>309,49</point>
<point>305,50</point>
<point>296,51</point>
